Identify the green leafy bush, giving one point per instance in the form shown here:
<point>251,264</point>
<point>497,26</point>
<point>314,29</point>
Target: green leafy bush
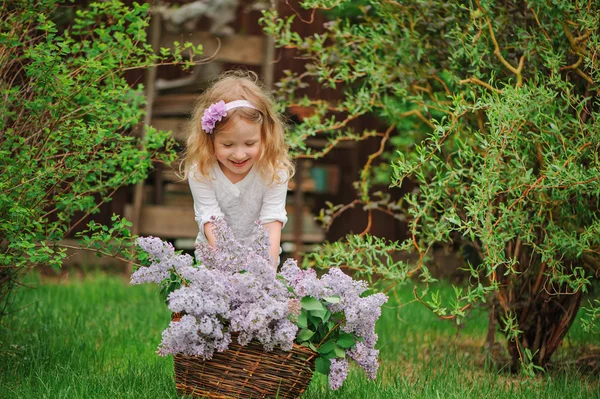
<point>493,112</point>
<point>65,124</point>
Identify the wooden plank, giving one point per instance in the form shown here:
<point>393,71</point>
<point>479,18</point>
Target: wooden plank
<point>180,200</point>
<point>305,237</point>
<point>177,126</point>
<point>234,49</point>
<point>174,104</point>
<point>166,222</point>
<point>179,188</point>
<point>172,175</point>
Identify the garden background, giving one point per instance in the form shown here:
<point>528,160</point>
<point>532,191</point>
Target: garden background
<point>452,147</point>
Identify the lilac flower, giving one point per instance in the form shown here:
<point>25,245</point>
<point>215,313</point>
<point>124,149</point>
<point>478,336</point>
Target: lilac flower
<point>290,270</point>
<point>294,307</point>
<point>361,316</point>
<point>234,289</point>
<point>338,373</point>
<point>154,273</point>
<point>366,358</point>
<point>261,244</point>
<point>285,332</point>
<point>304,282</point>
<point>183,336</point>
<point>229,255</point>
<point>213,114</point>
<point>163,258</point>
<point>155,247</point>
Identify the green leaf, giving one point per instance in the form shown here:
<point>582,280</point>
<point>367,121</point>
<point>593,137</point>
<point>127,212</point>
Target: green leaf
<point>326,347</point>
<point>339,352</point>
<point>302,320</point>
<point>314,321</point>
<point>321,314</point>
<point>310,303</point>
<point>332,299</point>
<point>304,335</point>
<point>322,365</point>
<point>346,341</point>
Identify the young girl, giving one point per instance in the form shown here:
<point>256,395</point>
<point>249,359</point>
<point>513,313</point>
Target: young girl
<point>237,162</point>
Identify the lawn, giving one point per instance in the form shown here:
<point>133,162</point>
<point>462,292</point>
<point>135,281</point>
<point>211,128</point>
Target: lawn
<point>96,338</point>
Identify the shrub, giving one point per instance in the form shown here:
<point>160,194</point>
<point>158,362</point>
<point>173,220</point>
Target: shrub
<point>493,111</point>
<point>65,120</point>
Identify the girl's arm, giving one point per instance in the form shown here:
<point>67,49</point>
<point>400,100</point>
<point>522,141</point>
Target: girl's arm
<point>205,205</point>
<point>274,230</point>
<point>273,214</point>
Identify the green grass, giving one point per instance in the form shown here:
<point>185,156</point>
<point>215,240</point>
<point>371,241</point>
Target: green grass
<point>96,338</point>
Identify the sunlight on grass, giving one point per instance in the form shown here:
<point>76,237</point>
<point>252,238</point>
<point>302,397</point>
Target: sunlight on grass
<point>97,337</point>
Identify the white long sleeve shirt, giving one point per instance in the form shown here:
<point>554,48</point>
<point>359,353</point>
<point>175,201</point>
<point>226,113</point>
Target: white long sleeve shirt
<point>240,204</point>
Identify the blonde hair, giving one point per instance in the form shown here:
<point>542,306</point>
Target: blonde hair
<point>199,155</point>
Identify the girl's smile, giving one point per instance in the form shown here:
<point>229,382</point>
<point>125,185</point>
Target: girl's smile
<point>239,164</point>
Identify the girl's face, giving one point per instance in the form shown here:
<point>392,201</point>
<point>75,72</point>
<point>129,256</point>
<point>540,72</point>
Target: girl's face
<point>238,148</point>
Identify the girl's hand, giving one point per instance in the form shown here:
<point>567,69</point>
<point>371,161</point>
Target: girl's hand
<point>208,233</point>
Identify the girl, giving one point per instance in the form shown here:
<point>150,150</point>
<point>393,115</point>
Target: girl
<point>236,160</point>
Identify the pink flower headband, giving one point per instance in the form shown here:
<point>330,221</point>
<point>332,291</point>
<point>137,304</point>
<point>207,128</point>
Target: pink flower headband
<point>217,111</point>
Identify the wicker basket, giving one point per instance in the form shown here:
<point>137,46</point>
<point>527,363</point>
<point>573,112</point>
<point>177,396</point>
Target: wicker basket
<point>246,372</point>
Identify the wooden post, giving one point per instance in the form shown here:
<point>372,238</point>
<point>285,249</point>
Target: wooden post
<point>138,194</point>
<point>269,57</point>
<point>268,66</point>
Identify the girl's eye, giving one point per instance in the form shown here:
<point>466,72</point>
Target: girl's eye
<point>250,144</point>
<point>227,145</point>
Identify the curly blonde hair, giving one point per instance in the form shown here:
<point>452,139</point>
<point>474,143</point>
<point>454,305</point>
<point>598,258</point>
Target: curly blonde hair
<point>199,155</point>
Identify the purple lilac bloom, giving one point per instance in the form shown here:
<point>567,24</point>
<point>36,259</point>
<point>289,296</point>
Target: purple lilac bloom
<point>234,289</point>
<point>163,258</point>
<point>290,270</point>
<point>213,114</point>
<point>304,282</point>
<point>366,358</point>
<point>361,316</point>
<point>294,307</point>
<point>338,373</point>
<point>229,255</point>
<point>183,337</point>
<point>285,333</point>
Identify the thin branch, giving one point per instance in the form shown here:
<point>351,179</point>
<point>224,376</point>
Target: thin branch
<point>334,143</point>
<point>369,223</point>
<point>481,83</point>
<point>375,155</point>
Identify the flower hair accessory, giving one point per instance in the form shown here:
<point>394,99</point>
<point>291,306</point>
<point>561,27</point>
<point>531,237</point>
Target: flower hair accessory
<point>217,111</point>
